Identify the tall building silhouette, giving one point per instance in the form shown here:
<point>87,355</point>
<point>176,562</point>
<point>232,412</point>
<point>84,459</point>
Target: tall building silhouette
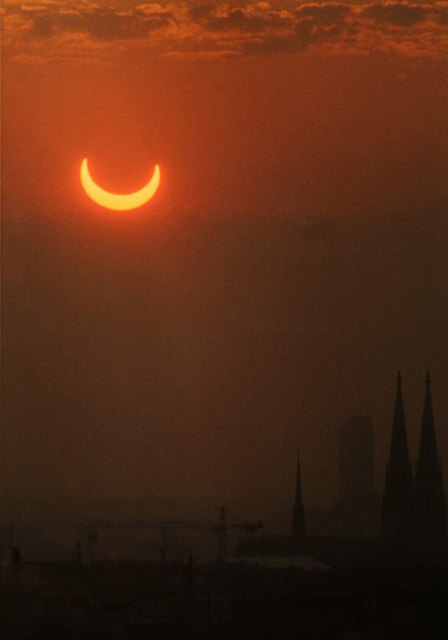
<point>430,526</point>
<point>358,501</point>
<point>396,515</point>
<point>298,513</point>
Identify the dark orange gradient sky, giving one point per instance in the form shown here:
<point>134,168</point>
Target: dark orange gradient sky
<point>293,134</point>
<point>293,258</point>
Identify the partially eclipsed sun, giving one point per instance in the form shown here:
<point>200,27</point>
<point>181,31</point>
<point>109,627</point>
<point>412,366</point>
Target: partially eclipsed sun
<point>118,201</point>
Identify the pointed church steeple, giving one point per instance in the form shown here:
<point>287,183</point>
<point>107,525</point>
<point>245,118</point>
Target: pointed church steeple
<point>298,514</point>
<point>430,524</point>
<point>397,494</point>
<point>427,455</point>
<point>399,454</point>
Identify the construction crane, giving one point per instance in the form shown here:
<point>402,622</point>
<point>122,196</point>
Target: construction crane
<point>220,529</point>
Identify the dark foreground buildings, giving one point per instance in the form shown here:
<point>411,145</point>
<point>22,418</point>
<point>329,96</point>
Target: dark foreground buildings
<point>296,587</point>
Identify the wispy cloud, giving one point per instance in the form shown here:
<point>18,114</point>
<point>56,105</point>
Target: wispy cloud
<point>78,27</point>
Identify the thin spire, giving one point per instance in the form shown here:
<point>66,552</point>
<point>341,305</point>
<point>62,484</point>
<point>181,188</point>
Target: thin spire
<point>429,496</point>
<point>399,444</point>
<point>428,445</point>
<point>298,515</point>
<point>397,494</point>
<point>298,498</point>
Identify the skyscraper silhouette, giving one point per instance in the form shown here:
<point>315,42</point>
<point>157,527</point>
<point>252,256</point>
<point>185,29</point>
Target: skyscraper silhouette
<point>396,516</point>
<point>430,526</point>
<point>298,514</point>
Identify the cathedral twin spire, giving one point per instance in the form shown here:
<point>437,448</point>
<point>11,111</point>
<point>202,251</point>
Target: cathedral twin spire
<point>429,496</point>
<point>413,506</point>
<point>397,497</point>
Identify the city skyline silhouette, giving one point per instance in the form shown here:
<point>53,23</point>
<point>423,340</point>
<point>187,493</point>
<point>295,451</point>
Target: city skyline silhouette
<point>203,436</point>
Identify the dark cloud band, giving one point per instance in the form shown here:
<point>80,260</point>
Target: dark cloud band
<point>238,27</point>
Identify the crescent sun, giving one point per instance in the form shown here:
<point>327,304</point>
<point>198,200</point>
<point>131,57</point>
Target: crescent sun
<point>118,201</point>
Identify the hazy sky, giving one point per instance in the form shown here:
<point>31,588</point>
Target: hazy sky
<point>293,259</point>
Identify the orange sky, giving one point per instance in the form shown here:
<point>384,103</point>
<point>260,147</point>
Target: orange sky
<point>313,113</point>
<point>286,134</point>
<point>352,103</point>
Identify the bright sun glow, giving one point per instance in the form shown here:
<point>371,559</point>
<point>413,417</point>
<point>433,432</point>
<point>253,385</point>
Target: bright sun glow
<point>118,201</point>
